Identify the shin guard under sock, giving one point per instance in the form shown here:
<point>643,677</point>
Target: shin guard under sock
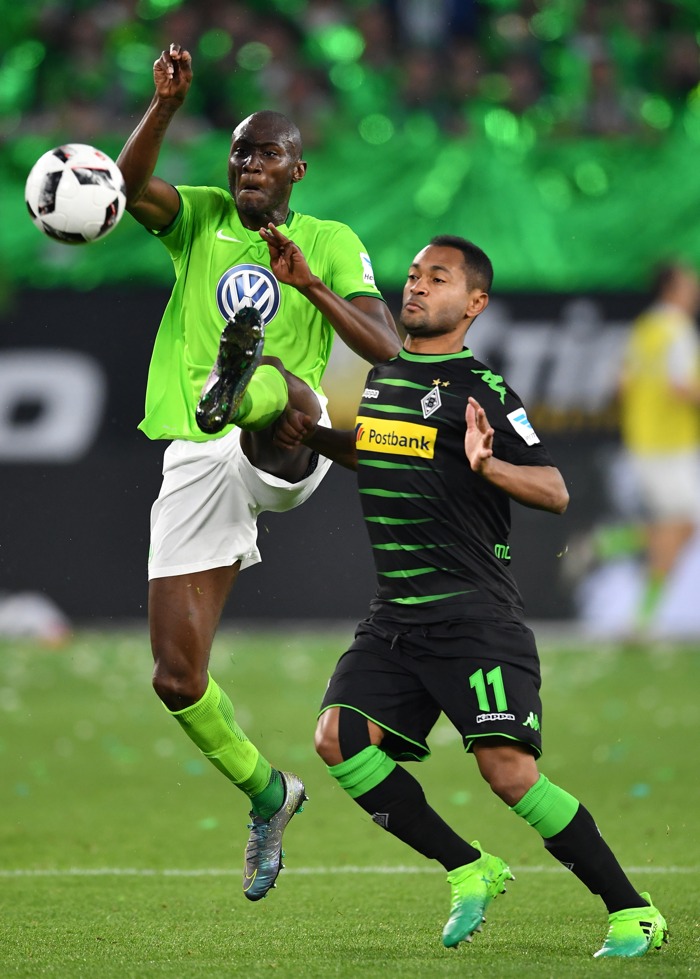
<point>396,801</point>
<point>210,724</point>
<point>572,837</point>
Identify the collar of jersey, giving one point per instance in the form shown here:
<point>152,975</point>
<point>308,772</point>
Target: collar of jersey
<point>434,358</point>
<point>252,233</point>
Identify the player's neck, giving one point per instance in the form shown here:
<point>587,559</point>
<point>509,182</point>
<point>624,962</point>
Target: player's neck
<point>448,343</point>
<point>255,220</point>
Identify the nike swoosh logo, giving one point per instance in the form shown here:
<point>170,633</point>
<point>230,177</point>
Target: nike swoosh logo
<point>248,881</point>
<point>222,237</point>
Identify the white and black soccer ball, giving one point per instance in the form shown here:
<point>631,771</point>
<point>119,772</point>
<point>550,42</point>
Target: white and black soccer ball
<point>75,194</point>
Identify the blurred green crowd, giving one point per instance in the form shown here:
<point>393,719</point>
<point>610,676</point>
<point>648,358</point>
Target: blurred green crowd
<point>551,67</point>
<point>561,134</point>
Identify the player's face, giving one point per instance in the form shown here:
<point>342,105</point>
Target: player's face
<point>263,167</point>
<point>436,297</point>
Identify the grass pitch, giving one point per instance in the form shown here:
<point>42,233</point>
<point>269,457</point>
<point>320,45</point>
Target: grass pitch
<point>121,848</point>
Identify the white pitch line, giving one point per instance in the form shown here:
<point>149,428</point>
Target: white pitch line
<point>301,871</point>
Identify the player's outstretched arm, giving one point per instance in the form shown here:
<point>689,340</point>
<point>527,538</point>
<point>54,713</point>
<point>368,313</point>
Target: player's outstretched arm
<point>152,201</point>
<point>363,323</point>
<point>293,428</point>
<point>336,444</point>
<point>541,487</point>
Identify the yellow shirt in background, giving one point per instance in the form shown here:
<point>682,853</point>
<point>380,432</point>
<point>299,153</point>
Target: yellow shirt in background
<point>663,348</point>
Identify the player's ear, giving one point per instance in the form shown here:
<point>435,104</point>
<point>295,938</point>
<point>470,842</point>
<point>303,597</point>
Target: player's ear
<point>477,303</point>
<point>299,171</point>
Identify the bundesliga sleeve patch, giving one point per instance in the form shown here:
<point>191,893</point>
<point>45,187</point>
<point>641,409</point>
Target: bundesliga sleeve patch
<point>522,426</point>
<point>367,270</point>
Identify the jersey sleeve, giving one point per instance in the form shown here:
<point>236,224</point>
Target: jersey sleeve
<point>350,266</point>
<point>194,202</point>
<point>515,440</point>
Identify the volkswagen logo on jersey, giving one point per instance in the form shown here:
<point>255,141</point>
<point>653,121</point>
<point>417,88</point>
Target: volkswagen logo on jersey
<point>248,285</point>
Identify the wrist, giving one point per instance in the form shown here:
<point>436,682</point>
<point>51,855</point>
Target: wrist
<point>312,286</point>
<point>166,106</point>
<point>483,466</point>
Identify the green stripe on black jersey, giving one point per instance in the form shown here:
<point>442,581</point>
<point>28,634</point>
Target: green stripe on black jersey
<point>421,502</point>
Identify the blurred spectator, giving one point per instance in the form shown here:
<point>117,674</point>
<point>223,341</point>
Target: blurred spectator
<point>608,106</point>
<point>524,84</point>
<point>660,421</point>
<point>339,60</point>
<point>465,71</point>
<point>420,87</point>
<point>681,68</point>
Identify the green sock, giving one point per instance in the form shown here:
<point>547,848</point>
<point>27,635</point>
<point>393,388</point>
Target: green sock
<point>211,725</point>
<point>362,772</point>
<point>269,801</point>
<point>546,808</point>
<point>264,400</point>
<point>619,540</point>
<point>650,599</point>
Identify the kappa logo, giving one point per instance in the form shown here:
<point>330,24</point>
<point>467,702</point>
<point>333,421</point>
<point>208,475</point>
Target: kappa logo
<point>431,402</point>
<point>496,716</point>
<point>248,285</point>
<point>532,721</point>
<point>370,393</point>
<point>397,438</point>
<point>521,424</point>
<point>494,381</point>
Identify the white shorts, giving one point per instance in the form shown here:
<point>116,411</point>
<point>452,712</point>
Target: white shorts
<point>209,501</point>
<point>669,485</point>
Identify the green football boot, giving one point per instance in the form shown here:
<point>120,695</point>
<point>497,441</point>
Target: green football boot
<point>633,932</point>
<point>474,886</point>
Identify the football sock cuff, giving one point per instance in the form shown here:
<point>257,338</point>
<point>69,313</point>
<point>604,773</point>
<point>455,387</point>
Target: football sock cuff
<point>264,400</point>
<point>363,771</point>
<point>546,807</point>
<point>210,724</point>
<point>269,801</point>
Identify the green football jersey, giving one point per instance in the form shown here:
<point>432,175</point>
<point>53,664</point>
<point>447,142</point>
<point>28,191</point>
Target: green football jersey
<point>219,266</point>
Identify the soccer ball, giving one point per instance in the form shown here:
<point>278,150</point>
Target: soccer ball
<point>75,194</point>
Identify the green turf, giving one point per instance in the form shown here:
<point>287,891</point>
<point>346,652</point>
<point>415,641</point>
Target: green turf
<point>120,849</point>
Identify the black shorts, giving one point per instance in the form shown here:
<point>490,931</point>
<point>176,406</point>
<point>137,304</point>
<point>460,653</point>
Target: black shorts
<point>485,677</point>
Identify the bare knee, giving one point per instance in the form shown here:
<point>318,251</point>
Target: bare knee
<point>326,738</point>
<point>178,684</point>
<point>510,770</point>
<point>183,613</point>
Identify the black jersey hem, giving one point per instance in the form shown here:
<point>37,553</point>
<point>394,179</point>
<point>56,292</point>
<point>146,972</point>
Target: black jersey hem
<point>426,614</point>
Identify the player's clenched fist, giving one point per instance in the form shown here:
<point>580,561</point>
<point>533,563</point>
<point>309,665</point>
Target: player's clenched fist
<point>172,73</point>
<point>292,428</point>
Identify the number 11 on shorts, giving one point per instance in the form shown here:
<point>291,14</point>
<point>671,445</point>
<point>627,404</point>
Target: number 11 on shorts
<point>494,679</point>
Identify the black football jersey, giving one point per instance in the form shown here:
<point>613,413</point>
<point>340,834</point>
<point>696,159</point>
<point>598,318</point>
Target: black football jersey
<point>439,531</point>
